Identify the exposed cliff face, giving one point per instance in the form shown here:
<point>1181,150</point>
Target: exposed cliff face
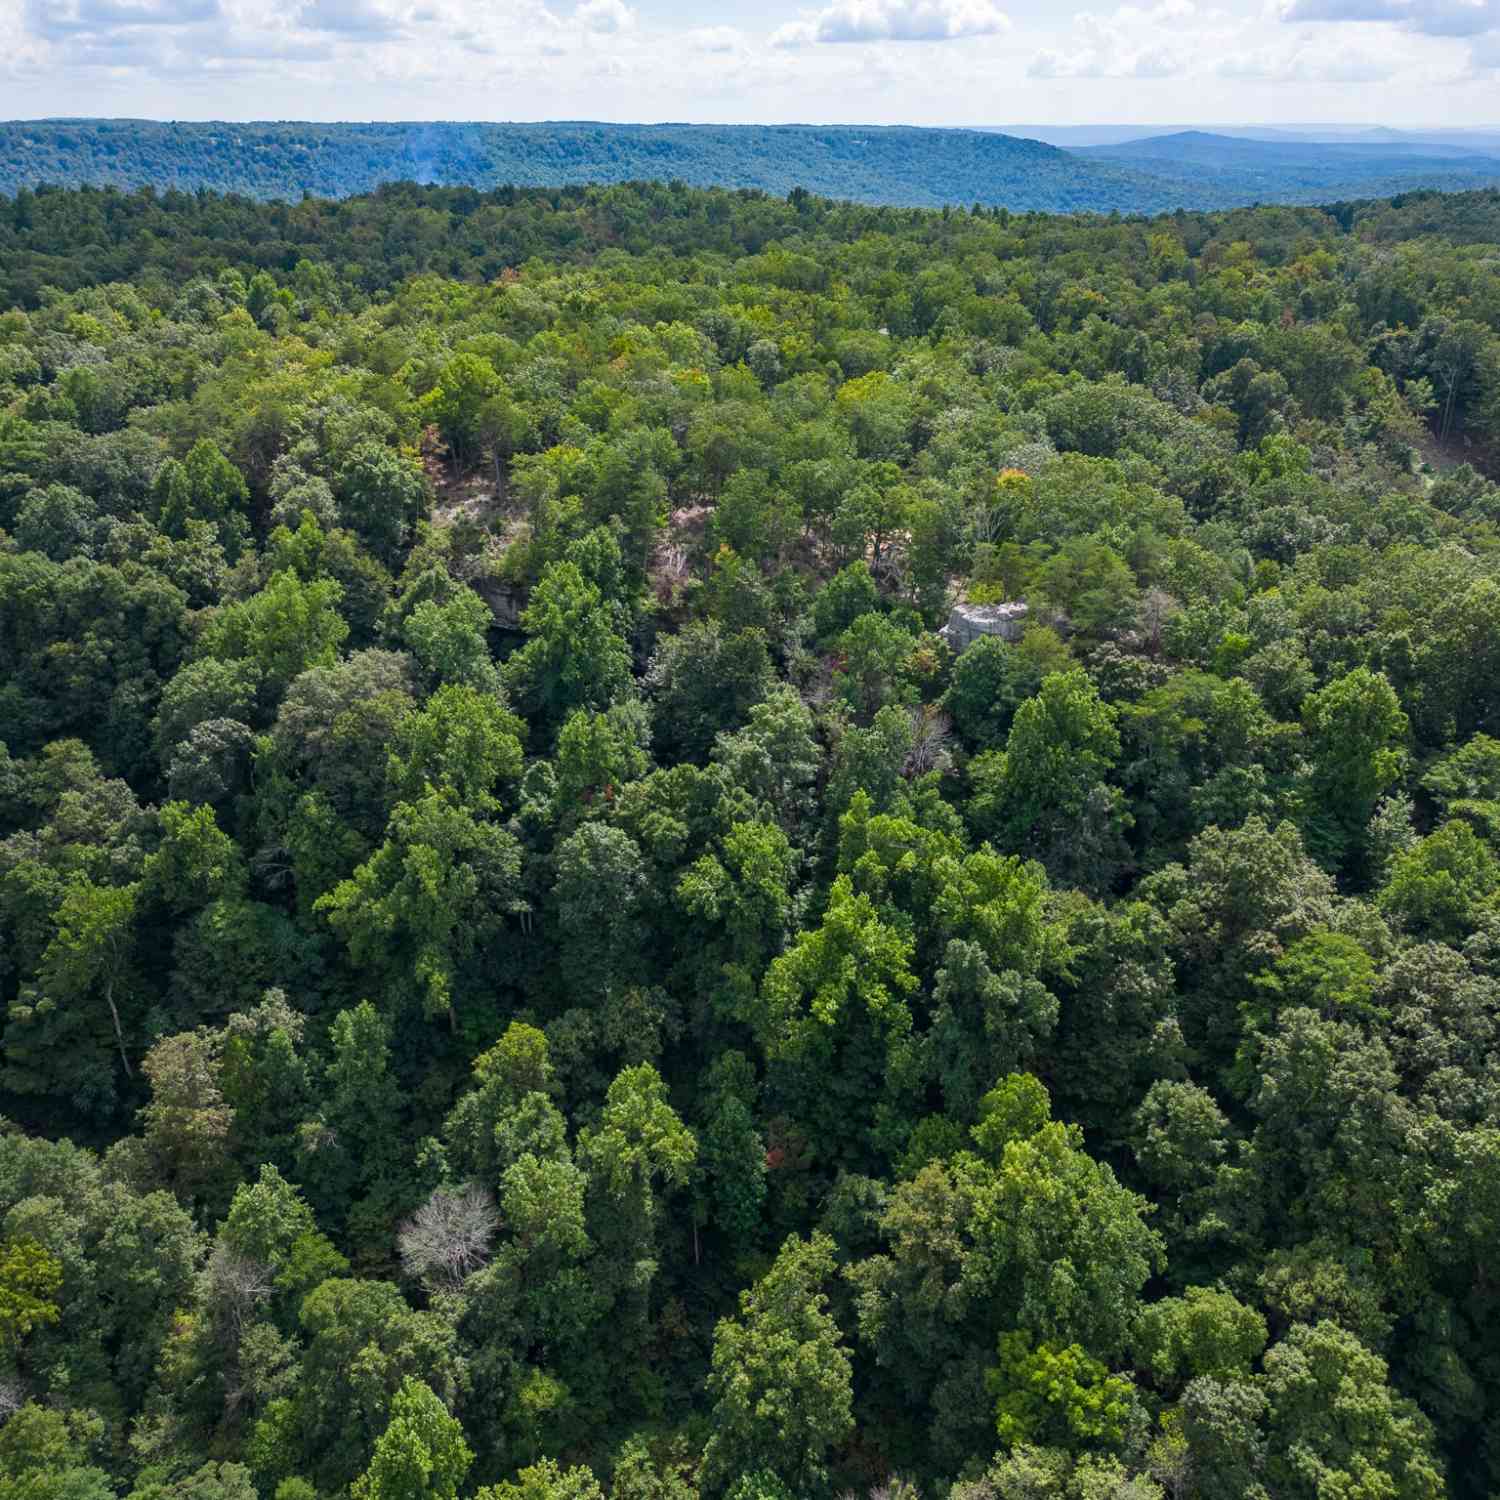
<point>967,622</point>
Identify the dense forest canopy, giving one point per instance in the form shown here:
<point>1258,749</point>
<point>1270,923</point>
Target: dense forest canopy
<point>878,164</point>
<point>869,163</point>
<point>533,968</point>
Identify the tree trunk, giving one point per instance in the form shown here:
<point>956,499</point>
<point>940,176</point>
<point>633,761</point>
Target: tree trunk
<point>109,999</point>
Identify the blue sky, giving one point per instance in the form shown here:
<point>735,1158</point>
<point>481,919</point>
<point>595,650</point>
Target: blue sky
<point>927,62</point>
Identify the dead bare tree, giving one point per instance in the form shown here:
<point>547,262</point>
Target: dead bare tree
<point>1157,607</point>
<point>987,523</point>
<point>932,730</point>
<point>239,1285</point>
<point>449,1236</point>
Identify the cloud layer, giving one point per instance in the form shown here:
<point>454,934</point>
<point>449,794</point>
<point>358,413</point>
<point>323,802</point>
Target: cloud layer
<point>1476,21</point>
<point>1428,17</point>
<point>986,62</point>
<point>894,21</point>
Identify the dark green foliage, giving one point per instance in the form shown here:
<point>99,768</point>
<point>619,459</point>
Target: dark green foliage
<point>890,165</point>
<point>530,969</point>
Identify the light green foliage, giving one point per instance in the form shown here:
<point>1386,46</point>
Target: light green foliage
<point>421,1455</point>
<point>754,516</point>
<point>843,599</point>
<point>639,1141</point>
<point>196,862</point>
<point>546,1481</point>
<point>1355,730</point>
<point>1203,1332</point>
<point>1054,1474</point>
<point>58,522</point>
<point>638,1152</point>
<point>1466,784</point>
<point>351,1146</point>
<point>1336,1425</point>
<point>775,757</point>
<point>853,965</point>
<point>89,949</point>
<point>1091,584</point>
<point>600,883</point>
<point>48,1454</point>
<point>924,874</point>
<point>991,679</point>
<point>1182,1140</point>
<point>744,890</point>
<point>1226,1447</point>
<point>457,403</point>
<point>660,1469</point>
<point>270,1224</point>
<point>436,891</point>
<point>30,1279</point>
<point>1443,884</point>
<point>362,1343</point>
<point>1014,1110</point>
<point>834,1014</point>
<point>1242,896</point>
<point>597,755</point>
<point>781,1374</point>
<point>731,1149</point>
<point>205,486</point>
<point>204,690</point>
<point>1057,1396</point>
<point>213,1481</point>
<point>572,658</point>
<point>873,653</point>
<point>463,742</point>
<point>511,1082</point>
<point>1326,971</point>
<point>381,494</point>
<point>448,640</point>
<point>1045,793</point>
<point>1045,1242</point>
<point>984,1021</point>
<point>283,630</point>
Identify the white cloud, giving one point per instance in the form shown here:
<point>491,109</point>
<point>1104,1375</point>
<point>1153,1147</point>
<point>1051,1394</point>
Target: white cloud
<point>625,59</point>
<point>1301,64</point>
<point>365,18</point>
<point>894,21</point>
<point>1429,17</point>
<point>605,17</point>
<point>1177,39</point>
<point>410,41</point>
<point>1156,62</point>
<point>53,18</point>
<point>1474,21</point>
<point>1130,42</point>
<point>21,50</point>
<point>1484,54</point>
<point>715,39</point>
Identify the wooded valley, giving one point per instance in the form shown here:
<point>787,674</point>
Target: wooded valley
<point>532,968</point>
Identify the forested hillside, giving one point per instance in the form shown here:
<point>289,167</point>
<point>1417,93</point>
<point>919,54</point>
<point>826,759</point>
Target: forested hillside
<point>868,164</point>
<point>1251,171</point>
<point>532,970</point>
<point>874,164</point>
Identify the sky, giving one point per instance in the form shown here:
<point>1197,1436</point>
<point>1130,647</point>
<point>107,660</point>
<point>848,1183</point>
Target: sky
<point>921,62</point>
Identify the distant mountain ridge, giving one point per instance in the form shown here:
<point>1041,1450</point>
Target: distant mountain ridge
<point>1472,138</point>
<point>1260,170</point>
<point>896,165</point>
<point>1207,145</point>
